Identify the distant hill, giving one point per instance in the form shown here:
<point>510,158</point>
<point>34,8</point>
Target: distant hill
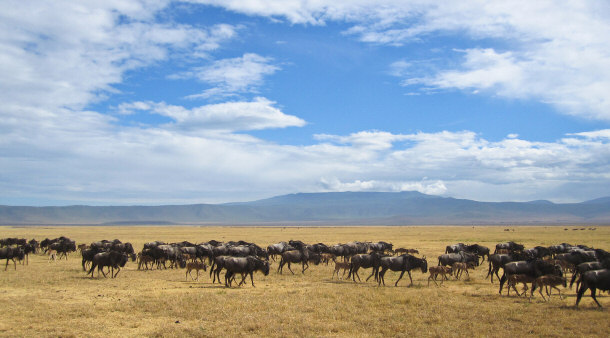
<point>342,208</point>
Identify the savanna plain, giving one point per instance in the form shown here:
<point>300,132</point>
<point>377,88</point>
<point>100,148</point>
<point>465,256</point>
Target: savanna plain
<point>58,299</point>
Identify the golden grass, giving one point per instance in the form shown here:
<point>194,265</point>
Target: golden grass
<point>56,299</point>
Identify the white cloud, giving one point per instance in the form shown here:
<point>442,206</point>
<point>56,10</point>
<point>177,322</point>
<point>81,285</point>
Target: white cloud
<point>232,76</point>
<point>229,116</point>
<point>430,188</point>
<point>551,53</point>
<point>70,54</point>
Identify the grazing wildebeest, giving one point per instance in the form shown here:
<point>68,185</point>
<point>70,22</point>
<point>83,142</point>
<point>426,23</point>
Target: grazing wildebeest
<point>190,266</point>
<point>365,261</point>
<point>296,256</point>
<point>245,266</point>
<point>439,270</point>
<point>455,248</point>
<point>533,268</point>
<point>403,263</point>
<point>593,280</point>
<point>111,259</point>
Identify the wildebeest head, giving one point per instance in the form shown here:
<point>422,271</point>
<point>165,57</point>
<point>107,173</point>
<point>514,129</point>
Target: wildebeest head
<point>182,263</point>
<point>424,265</point>
<point>266,266</point>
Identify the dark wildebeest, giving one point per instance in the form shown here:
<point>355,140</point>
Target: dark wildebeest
<point>510,246</point>
<point>278,249</point>
<point>497,261</point>
<point>581,269</point>
<point>537,252</point>
<point>112,259</point>
<point>296,256</point>
<point>217,265</point>
<point>365,261</point>
<point>461,257</point>
<point>559,248</point>
<point>455,248</point>
<point>403,263</point>
<point>380,247</point>
<point>595,279</point>
<point>10,253</point>
<point>478,250</point>
<point>532,268</point>
<point>245,266</point>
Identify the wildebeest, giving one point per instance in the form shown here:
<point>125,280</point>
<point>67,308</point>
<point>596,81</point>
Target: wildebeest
<point>403,263</point>
<point>190,266</point>
<point>549,281</point>
<point>593,280</point>
<point>111,259</point>
<point>11,253</point>
<point>455,248</point>
<point>245,266</point>
<point>462,256</point>
<point>296,256</point>
<point>510,246</point>
<point>532,268</point>
<point>340,266</point>
<point>479,250</point>
<point>278,249</point>
<point>365,261</point>
<point>581,269</point>
<point>439,270</point>
<point>497,261</point>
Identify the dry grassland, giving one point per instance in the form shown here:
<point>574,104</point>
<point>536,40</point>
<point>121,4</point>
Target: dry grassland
<point>56,299</point>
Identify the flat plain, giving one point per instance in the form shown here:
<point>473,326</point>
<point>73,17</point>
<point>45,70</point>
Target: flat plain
<point>57,298</point>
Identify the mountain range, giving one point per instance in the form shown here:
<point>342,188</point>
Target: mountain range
<point>341,208</point>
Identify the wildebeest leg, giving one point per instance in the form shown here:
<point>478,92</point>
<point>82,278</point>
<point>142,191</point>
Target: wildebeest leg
<point>118,269</point>
<point>281,265</point>
<point>306,266</point>
<point>593,296</point>
<point>411,279</point>
<point>502,281</point>
<point>381,275</point>
<point>244,275</point>
<point>228,275</point>
<point>252,278</point>
<point>401,274</point>
<point>540,292</point>
<point>290,268</point>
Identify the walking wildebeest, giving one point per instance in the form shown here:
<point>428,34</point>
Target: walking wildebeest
<point>296,256</point>
<point>245,266</point>
<point>533,268</point>
<point>365,261</point>
<point>403,263</point>
<point>111,259</point>
<point>593,280</point>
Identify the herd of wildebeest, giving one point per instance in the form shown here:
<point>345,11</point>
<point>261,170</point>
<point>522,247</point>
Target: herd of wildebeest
<point>542,267</point>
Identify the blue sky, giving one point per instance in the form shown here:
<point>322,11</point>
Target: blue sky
<point>171,102</point>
